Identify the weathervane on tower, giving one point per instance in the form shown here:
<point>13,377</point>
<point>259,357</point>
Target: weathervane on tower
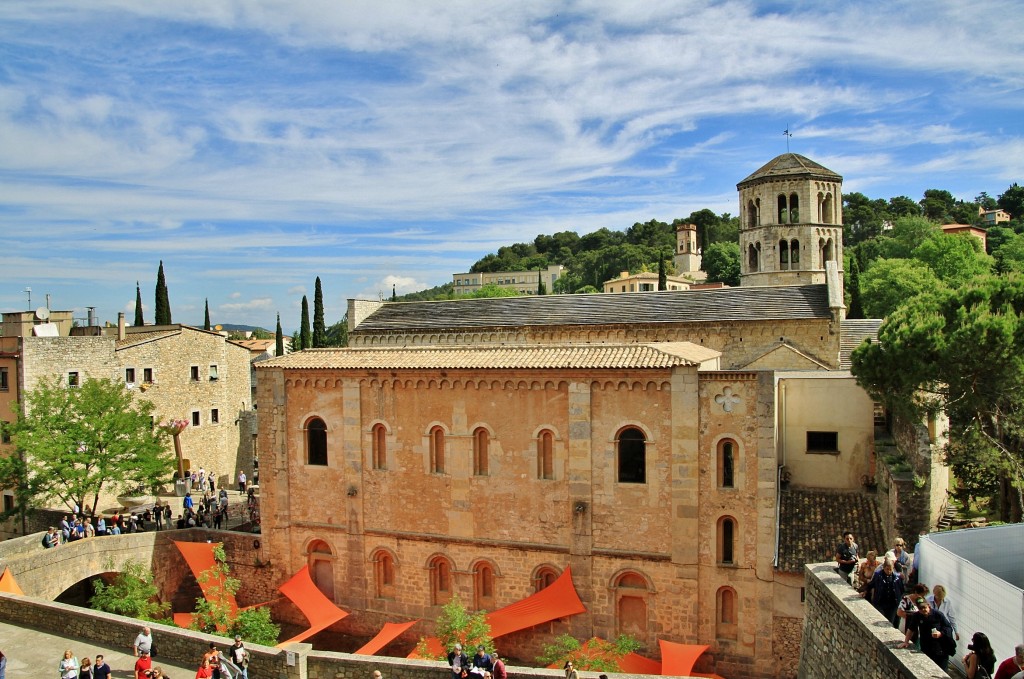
<point>788,135</point>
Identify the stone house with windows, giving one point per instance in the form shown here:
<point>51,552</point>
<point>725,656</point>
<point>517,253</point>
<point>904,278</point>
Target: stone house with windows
<point>186,372</point>
<point>649,442</point>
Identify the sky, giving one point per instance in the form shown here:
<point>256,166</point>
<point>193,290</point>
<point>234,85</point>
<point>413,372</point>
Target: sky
<point>255,145</point>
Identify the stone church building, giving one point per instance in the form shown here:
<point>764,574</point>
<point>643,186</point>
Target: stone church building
<point>647,441</point>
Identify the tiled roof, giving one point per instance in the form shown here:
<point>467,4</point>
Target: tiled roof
<point>852,334</point>
<point>811,524</point>
<point>142,337</point>
<point>795,302</point>
<point>659,355</point>
<point>790,165</point>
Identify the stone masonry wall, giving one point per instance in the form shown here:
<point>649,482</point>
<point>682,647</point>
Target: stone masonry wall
<point>844,636</point>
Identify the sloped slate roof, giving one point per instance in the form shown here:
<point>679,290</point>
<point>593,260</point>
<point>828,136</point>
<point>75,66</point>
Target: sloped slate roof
<point>852,334</point>
<point>811,524</point>
<point>671,306</point>
<point>142,337</point>
<point>659,355</point>
<point>790,165</point>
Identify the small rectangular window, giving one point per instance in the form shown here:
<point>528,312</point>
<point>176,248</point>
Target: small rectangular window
<point>147,375</point>
<point>822,442</point>
<point>73,379</point>
<point>214,416</point>
<point>195,373</point>
<point>213,373</point>
<point>8,503</point>
<point>5,436</point>
<point>4,386</point>
<point>195,418</point>
<point>129,375</point>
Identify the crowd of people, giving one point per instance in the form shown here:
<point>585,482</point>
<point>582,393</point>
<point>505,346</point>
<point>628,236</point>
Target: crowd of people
<point>926,616</point>
<point>80,526</point>
<point>230,664</point>
<point>208,512</point>
<point>482,665</point>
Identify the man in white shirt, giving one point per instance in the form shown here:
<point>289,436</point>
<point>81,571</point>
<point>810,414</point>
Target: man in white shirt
<point>143,642</point>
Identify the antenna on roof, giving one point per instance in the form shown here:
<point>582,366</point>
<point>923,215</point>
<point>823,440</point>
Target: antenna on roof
<point>28,291</point>
<point>788,135</point>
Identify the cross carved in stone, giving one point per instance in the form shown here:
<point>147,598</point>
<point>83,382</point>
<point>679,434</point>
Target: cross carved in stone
<point>727,399</point>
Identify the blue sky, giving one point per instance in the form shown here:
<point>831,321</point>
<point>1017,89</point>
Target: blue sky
<point>254,145</point>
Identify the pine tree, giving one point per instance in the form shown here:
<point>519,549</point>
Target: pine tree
<point>319,328</point>
<point>662,275</point>
<point>206,322</point>
<point>139,321</point>
<point>279,338</point>
<point>305,336</point>
<point>856,309</point>
<point>163,302</point>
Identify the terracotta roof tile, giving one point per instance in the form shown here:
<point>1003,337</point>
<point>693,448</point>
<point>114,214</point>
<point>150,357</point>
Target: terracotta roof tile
<point>660,355</point>
<point>811,524</point>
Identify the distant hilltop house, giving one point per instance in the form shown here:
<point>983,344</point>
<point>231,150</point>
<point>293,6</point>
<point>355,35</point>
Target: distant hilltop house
<point>187,373</point>
<point>523,282</point>
<point>993,217</point>
<point>968,230</point>
<point>644,281</point>
<point>683,452</point>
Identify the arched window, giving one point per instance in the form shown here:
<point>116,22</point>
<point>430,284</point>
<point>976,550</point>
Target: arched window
<point>483,586</point>
<point>543,577</point>
<point>726,464</point>
<point>754,257</point>
<point>440,581</point>
<point>437,450</point>
<point>545,455</point>
<point>828,210</point>
<point>380,446</point>
<point>481,442</point>
<point>783,255</point>
<point>384,574</point>
<point>794,254</point>
<point>751,214</point>
<point>726,540</point>
<point>783,212</point>
<point>632,447</point>
<point>316,442</point>
<point>794,208</point>
<point>321,567</point>
<point>829,252</point>
<point>631,594</point>
<point>725,613</point>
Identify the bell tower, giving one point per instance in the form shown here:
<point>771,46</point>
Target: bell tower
<point>687,257</point>
<point>791,222</point>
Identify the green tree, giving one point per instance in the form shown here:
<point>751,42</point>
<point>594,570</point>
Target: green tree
<point>1012,200</point>
<point>14,475</point>
<point>278,338</point>
<point>77,442</point>
<point>662,275</point>
<point>337,334</point>
<point>958,351</point>
<point>856,306</point>
<point>596,655</point>
<point>721,261</point>
<point>903,206</point>
<point>492,290</point>
<point>996,236</point>
<point>889,282</point>
<point>862,217</point>
<point>541,288</point>
<point>1009,256</point>
<point>206,315</point>
<point>955,259</point>
<point>139,320</point>
<point>937,205</point>
<point>456,625</point>
<point>214,613</point>
<point>319,328</point>
<point>132,593</point>
<point>163,302</point>
<point>304,332</point>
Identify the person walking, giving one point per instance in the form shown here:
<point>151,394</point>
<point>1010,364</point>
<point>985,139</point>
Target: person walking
<point>240,657</point>
<point>100,669</point>
<point>68,666</point>
<point>241,481</point>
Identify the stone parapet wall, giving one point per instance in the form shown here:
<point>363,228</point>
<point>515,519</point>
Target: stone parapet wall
<point>844,636</point>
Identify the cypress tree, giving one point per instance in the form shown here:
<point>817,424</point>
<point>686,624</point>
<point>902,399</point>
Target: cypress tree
<point>163,302</point>
<point>541,288</point>
<point>319,328</point>
<point>206,322</point>
<point>394,293</point>
<point>662,274</point>
<point>305,336</point>
<point>856,309</point>
<point>139,321</point>
<point>279,338</point>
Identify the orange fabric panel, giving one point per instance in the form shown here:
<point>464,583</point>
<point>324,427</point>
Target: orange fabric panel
<point>677,660</point>
<point>558,600</point>
<point>433,646</point>
<point>199,557</point>
<point>307,597</point>
<point>633,663</point>
<point>183,620</point>
<point>386,635</point>
<point>8,584</point>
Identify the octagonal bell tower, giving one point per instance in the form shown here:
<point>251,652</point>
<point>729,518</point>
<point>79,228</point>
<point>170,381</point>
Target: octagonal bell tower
<point>791,222</point>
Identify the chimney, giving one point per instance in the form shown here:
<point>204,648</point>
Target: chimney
<point>120,325</point>
<point>92,316</point>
